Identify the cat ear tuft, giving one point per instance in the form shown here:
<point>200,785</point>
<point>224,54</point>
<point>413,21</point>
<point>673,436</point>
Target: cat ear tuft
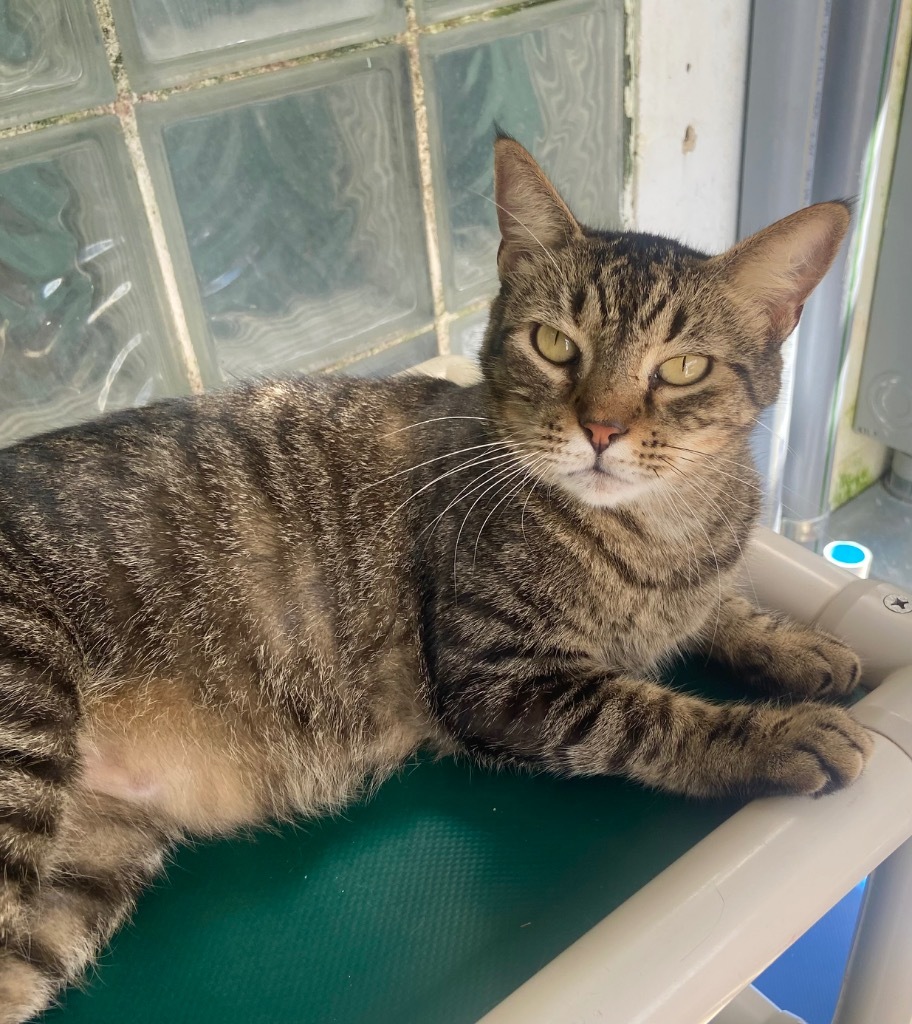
<point>773,272</point>
<point>530,212</point>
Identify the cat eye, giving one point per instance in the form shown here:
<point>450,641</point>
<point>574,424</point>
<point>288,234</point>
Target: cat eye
<point>555,346</point>
<point>684,370</point>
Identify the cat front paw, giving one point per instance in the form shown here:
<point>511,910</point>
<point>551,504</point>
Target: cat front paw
<point>823,667</point>
<point>812,749</point>
<point>804,663</point>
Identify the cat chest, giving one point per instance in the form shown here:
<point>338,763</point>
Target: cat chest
<point>620,617</point>
<point>637,630</point>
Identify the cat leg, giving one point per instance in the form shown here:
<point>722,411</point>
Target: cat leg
<point>777,655</point>
<point>39,711</point>
<point>105,853</point>
<point>616,725</point>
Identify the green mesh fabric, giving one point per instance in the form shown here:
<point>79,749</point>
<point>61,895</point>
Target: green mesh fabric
<point>427,904</point>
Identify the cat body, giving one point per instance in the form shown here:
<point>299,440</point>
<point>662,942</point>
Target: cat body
<point>250,605</point>
<point>243,578</point>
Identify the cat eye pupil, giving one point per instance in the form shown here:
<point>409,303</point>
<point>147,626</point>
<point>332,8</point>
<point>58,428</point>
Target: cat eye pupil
<point>681,370</point>
<point>553,345</point>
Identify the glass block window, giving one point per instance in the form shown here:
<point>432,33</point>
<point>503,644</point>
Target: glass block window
<point>169,41</point>
<point>298,204</point>
<point>51,59</point>
<point>83,328</point>
<point>550,77</point>
<point>230,188</point>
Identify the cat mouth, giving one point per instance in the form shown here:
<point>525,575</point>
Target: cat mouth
<point>599,485</point>
<point>598,468</point>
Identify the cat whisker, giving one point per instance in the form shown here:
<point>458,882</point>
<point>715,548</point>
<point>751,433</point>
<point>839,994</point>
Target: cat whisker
<point>435,419</point>
<point>509,473</point>
<point>739,479</point>
<point>539,478</point>
<point>522,469</point>
<point>692,479</point>
<point>718,472</point>
<point>506,499</point>
<point>744,563</point>
<point>470,488</point>
<point>781,438</point>
<point>531,470</point>
<point>478,461</point>
<point>427,462</point>
<point>749,484</point>
<point>714,456</point>
<point>686,533</point>
<point>712,551</point>
<point>715,505</point>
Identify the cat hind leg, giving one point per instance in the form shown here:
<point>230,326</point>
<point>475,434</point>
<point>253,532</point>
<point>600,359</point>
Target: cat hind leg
<point>38,718</point>
<point>71,862</point>
<point>106,855</point>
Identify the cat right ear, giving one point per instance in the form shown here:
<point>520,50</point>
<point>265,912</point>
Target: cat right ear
<point>772,273</point>
<point>531,214</point>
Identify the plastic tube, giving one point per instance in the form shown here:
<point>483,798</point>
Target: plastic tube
<point>864,613</point>
<point>752,1007</point>
<point>878,982</point>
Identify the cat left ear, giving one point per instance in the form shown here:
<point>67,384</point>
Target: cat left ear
<point>531,214</point>
<point>773,272</point>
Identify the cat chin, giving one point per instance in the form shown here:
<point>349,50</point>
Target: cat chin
<point>599,490</point>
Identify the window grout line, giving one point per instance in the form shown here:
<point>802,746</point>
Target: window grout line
<point>412,31</point>
<point>162,93</point>
<point>185,346</point>
<point>423,138</point>
<point>165,92</point>
<point>497,10</point>
<point>124,108</point>
<point>105,17</point>
<point>353,358</point>
<point>481,305</point>
<point>478,306</point>
<point>630,12</point>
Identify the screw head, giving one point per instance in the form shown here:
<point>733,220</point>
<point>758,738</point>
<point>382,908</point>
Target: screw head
<point>899,603</point>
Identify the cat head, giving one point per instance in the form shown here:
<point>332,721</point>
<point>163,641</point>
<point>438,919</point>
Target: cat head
<point>619,361</point>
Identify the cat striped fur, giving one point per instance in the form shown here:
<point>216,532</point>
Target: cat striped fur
<point>249,605</point>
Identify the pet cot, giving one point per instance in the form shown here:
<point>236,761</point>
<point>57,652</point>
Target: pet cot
<point>456,895</point>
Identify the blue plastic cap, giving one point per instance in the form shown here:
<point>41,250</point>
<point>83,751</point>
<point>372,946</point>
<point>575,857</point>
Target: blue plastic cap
<point>848,554</point>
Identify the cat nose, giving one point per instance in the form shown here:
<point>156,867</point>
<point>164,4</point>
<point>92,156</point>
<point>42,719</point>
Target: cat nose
<point>601,434</point>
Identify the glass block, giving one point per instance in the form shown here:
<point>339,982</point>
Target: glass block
<point>467,334</point>
<point>52,60</point>
<point>396,359</point>
<point>169,41</point>
<point>430,11</point>
<point>84,328</point>
<point>293,208</point>
<point>552,76</point>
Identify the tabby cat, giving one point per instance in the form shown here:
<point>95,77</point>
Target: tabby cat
<point>237,607</point>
